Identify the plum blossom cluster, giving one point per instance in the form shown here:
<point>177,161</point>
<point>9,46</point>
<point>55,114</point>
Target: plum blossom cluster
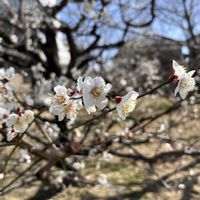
<point>20,122</point>
<point>17,123</point>
<point>93,94</point>
<point>186,82</point>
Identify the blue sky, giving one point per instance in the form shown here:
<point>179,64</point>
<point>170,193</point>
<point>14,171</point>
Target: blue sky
<point>165,25</point>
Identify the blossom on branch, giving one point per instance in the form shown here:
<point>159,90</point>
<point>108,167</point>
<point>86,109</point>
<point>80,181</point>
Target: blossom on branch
<point>185,84</point>
<point>62,105</point>
<point>20,122</point>
<point>94,92</point>
<point>126,104</point>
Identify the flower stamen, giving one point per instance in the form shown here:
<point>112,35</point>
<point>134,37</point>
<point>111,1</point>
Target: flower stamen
<point>96,92</point>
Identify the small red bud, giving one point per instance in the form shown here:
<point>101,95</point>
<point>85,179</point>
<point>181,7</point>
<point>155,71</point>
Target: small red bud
<point>72,92</point>
<point>118,99</point>
<point>129,135</point>
<point>5,115</point>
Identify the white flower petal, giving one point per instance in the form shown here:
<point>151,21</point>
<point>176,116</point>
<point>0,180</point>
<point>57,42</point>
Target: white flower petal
<point>60,90</point>
<point>20,127</point>
<point>191,73</point>
<point>29,116</point>
<point>79,104</point>
<point>127,104</point>
<point>132,95</point>
<point>119,111</point>
<point>107,88</point>
<point>89,103</point>
<point>11,120</point>
<point>183,93</point>
<point>177,89</point>
<point>179,70</point>
<point>88,84</point>
<point>99,81</point>
<point>187,83</point>
<point>80,83</point>
<point>101,103</point>
<point>175,64</point>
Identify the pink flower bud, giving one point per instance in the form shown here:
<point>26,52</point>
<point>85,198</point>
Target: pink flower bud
<point>118,99</point>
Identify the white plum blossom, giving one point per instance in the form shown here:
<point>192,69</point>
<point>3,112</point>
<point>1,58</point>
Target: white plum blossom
<point>7,74</point>
<point>179,70</point>
<point>94,92</point>
<point>20,122</point>
<point>126,104</point>
<point>185,84</point>
<point>63,106</point>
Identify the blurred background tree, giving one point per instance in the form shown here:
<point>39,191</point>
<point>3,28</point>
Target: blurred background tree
<point>66,36</point>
